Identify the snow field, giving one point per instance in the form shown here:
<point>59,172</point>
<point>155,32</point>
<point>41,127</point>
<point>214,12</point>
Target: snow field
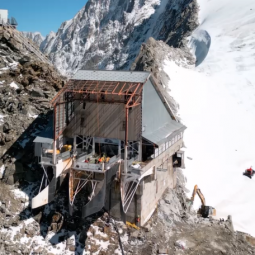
<point>217,104</point>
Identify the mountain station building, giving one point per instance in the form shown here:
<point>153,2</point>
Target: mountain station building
<point>115,138</point>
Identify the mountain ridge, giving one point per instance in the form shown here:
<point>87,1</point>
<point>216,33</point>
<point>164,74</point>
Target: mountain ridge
<point>109,35</point>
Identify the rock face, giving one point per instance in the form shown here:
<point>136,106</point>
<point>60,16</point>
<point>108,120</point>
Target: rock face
<point>26,86</point>
<point>151,58</point>
<point>108,34</point>
<point>36,37</point>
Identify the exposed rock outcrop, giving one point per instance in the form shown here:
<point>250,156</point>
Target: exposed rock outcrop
<point>151,58</point>
<point>26,87</point>
<point>36,37</point>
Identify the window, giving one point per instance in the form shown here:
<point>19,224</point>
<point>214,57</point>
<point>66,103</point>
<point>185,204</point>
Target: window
<point>156,153</point>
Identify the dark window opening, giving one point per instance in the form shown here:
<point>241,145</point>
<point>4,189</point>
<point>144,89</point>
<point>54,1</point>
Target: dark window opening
<point>148,150</point>
<point>102,96</point>
<point>177,161</point>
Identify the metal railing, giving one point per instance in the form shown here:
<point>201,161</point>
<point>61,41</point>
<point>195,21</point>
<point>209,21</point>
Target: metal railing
<point>47,158</point>
<point>96,167</point>
<point>88,166</point>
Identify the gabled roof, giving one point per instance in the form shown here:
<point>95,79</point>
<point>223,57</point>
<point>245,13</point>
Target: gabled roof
<point>164,133</point>
<point>119,76</point>
<point>160,123</point>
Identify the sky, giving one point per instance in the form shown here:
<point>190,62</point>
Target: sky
<point>41,16</point>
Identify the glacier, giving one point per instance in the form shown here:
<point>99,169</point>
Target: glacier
<point>217,104</point>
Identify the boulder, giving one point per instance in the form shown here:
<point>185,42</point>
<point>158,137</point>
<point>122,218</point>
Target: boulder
<point>2,139</point>
<point>8,138</point>
<point>36,92</point>
<point>6,35</point>
<point>72,248</point>
<point>9,59</point>
<point>6,127</point>
<point>10,180</point>
<point>24,60</point>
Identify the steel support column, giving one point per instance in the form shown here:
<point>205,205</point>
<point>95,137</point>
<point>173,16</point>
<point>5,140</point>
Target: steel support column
<point>74,144</point>
<point>54,135</point>
<point>119,148</point>
<point>93,146</point>
<point>126,142</point>
<point>140,151</point>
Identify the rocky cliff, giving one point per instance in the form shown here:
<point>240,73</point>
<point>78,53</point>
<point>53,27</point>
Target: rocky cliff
<point>108,34</point>
<point>36,37</point>
<point>27,84</point>
<point>151,58</point>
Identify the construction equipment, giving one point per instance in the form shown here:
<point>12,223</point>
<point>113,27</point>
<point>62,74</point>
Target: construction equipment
<point>205,210</point>
<point>132,225</point>
<point>249,172</point>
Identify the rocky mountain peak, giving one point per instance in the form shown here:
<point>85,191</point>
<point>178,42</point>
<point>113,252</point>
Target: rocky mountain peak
<point>108,34</point>
<point>36,37</point>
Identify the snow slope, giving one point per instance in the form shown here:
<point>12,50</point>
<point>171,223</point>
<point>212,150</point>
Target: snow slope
<point>217,104</point>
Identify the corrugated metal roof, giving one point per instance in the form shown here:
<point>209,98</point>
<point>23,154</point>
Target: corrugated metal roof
<point>164,133</point>
<point>40,139</point>
<point>121,76</point>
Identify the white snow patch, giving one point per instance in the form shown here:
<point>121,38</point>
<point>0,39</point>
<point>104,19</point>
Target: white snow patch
<point>4,69</point>
<point>20,194</point>
<point>2,118</point>
<point>2,169</point>
<point>34,116</point>
<point>14,85</point>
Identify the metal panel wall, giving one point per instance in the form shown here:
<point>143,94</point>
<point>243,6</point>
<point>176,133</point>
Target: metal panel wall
<point>105,120</point>
<point>3,16</point>
<point>155,116</point>
<point>38,149</point>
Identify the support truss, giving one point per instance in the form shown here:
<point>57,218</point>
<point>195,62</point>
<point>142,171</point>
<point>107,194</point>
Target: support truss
<point>128,93</point>
<point>77,181</point>
<point>128,190</point>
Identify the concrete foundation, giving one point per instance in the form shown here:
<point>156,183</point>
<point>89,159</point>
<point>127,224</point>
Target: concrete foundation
<point>150,189</point>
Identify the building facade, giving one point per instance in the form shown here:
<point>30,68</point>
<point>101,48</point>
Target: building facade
<point>114,136</point>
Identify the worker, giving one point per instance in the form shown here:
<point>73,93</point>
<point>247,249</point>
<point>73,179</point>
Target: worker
<point>250,171</point>
<point>103,159</point>
<point>67,147</point>
<point>137,221</point>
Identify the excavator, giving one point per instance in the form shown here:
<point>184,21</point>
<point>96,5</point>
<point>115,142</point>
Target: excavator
<point>205,211</point>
